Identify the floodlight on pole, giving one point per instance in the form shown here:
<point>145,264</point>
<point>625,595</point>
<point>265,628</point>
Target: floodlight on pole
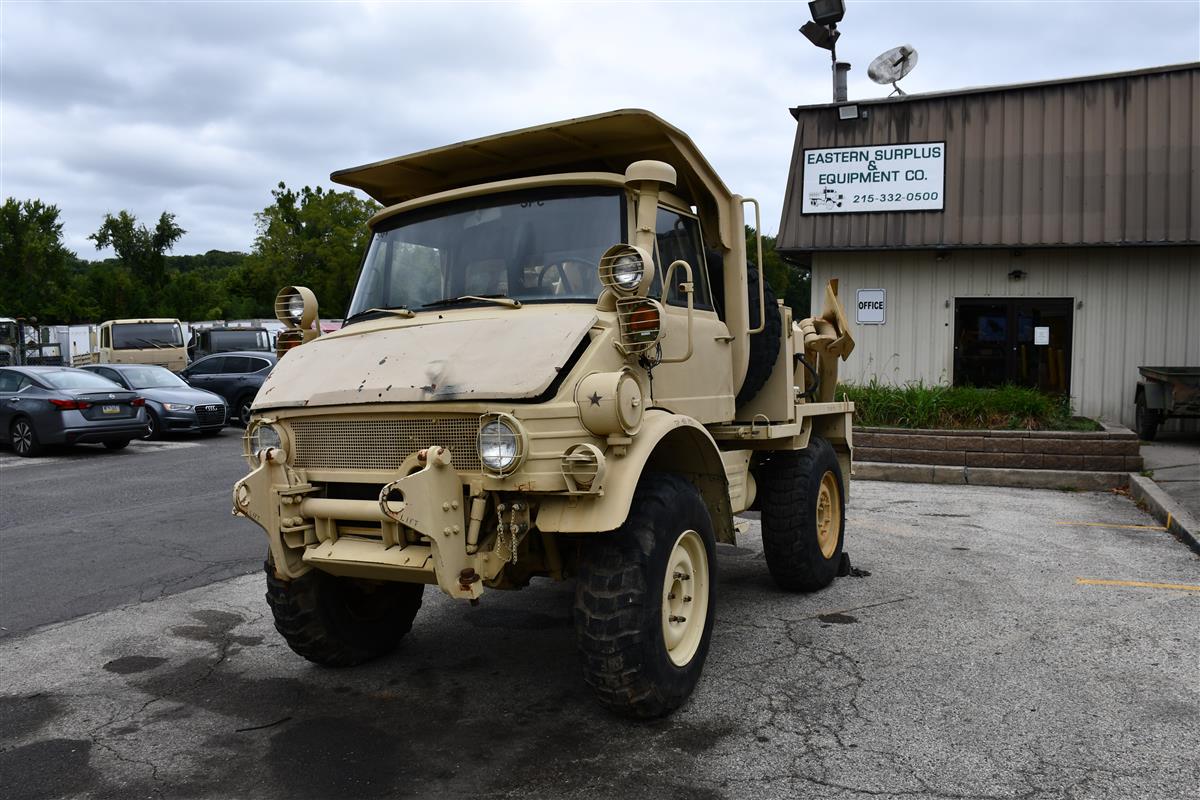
<point>823,33</point>
<point>827,12</point>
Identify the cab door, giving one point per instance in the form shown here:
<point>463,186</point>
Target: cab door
<point>702,386</point>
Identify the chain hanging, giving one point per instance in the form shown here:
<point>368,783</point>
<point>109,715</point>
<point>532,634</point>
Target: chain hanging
<point>511,529</point>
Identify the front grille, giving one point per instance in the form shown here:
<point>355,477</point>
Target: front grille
<point>382,443</point>
<point>210,415</point>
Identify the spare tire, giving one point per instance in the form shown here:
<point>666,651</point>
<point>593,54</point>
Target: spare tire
<point>764,346</point>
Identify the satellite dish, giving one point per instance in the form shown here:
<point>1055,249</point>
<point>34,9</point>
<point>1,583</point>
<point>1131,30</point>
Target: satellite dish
<point>891,66</point>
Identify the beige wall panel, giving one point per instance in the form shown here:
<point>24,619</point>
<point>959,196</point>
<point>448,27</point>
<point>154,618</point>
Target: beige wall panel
<point>1135,192</point>
<point>1158,166</point>
<point>1181,156</point>
<point>1139,306</point>
<point>1194,139</point>
<point>1070,225</point>
<point>1036,130</point>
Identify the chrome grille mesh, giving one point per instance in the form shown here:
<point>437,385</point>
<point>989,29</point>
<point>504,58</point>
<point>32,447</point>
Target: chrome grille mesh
<point>382,443</point>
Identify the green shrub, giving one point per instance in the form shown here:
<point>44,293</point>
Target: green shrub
<point>917,405</point>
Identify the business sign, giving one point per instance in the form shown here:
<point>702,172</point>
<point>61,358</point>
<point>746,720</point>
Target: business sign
<point>871,308</point>
<point>890,177</point>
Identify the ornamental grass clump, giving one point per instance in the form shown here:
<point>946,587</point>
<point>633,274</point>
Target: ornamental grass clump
<point>919,405</point>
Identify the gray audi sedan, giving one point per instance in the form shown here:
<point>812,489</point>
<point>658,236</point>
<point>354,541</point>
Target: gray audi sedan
<point>42,406</point>
<point>171,405</point>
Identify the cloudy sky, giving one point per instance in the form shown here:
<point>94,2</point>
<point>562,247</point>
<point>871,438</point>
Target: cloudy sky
<point>200,108</point>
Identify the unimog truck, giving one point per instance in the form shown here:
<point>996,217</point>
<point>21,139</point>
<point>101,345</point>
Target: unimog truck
<point>556,363</point>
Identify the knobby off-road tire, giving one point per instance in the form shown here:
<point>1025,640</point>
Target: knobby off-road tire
<point>802,496</point>
<point>764,346</point>
<point>645,600</point>
<point>341,622</point>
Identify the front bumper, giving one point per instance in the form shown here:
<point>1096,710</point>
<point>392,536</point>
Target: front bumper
<point>191,422</point>
<point>422,528</point>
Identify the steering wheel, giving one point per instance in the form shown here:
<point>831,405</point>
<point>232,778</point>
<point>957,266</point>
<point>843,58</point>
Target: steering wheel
<point>562,274</point>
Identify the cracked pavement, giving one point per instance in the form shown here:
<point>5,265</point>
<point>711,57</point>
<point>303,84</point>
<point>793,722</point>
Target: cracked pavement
<point>968,664</point>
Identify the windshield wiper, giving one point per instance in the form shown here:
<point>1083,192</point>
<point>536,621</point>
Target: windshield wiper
<point>153,343</point>
<point>498,299</point>
<point>398,311</point>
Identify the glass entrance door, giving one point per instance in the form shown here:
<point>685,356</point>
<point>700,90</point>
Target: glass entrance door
<point>1020,340</point>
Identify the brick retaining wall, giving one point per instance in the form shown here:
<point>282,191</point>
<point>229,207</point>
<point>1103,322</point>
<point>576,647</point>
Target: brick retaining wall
<point>1113,449</point>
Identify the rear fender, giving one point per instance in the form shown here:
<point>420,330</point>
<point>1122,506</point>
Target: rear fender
<point>666,443</point>
<point>1158,396</point>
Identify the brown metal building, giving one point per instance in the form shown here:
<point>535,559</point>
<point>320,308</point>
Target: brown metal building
<point>1046,234</point>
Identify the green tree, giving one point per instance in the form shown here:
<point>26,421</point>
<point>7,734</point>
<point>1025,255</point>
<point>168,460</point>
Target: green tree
<point>790,280</point>
<point>35,267</point>
<point>312,237</point>
<point>141,250</point>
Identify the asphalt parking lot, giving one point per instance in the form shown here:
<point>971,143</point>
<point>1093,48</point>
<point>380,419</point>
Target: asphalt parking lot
<point>84,529</point>
<point>1006,644</point>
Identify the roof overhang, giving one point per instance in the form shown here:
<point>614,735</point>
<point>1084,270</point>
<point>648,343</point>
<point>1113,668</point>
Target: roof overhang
<point>607,142</point>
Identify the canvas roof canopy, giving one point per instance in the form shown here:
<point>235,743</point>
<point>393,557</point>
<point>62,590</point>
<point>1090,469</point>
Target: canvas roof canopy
<point>607,142</point>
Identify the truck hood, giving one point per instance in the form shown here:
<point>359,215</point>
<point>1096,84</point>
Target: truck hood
<point>514,354</point>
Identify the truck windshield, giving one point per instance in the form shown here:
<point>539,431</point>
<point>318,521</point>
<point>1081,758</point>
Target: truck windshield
<point>539,244</point>
<point>143,335</point>
<point>240,340</point>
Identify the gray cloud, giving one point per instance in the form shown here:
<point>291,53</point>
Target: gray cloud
<point>201,108</point>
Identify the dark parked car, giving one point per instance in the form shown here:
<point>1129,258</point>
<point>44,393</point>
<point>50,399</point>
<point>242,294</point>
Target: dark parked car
<point>235,376</point>
<point>41,406</point>
<point>208,341</point>
<point>172,406</point>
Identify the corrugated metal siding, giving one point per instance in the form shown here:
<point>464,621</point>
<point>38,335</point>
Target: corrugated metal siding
<point>1141,306</point>
<point>1108,161</point>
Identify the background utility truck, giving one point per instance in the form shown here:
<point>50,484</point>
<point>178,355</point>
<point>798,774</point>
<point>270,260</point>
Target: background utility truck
<point>555,363</point>
<point>138,341</point>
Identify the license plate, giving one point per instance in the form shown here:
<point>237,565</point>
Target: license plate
<point>110,409</point>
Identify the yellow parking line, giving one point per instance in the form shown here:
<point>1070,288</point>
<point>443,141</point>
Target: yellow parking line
<point>1140,584</point>
<point>1113,525</point>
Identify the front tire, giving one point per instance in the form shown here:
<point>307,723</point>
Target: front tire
<point>341,622</point>
<point>802,495</point>
<point>154,426</point>
<point>24,438</point>
<point>242,410</point>
<point>645,600</point>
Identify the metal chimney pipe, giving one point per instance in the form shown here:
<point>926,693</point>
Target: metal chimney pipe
<point>840,68</point>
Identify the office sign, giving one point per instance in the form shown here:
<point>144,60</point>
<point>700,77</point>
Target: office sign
<point>890,177</point>
<point>871,308</point>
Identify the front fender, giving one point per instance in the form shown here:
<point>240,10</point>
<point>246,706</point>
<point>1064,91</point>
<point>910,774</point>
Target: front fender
<point>666,442</point>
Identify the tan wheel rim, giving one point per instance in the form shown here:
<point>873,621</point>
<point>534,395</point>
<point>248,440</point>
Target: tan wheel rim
<point>829,514</point>
<point>685,598</point>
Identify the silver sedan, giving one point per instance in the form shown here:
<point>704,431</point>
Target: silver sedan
<point>42,406</point>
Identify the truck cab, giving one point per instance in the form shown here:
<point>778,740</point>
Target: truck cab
<point>156,341</point>
<point>217,339</point>
<point>557,363</point>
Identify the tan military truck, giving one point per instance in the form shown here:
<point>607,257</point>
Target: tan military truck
<point>556,363</point>
<point>138,341</point>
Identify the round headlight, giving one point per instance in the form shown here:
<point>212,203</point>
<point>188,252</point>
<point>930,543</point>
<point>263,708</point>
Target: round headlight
<point>295,308</point>
<point>264,437</point>
<point>627,272</point>
<point>498,445</point>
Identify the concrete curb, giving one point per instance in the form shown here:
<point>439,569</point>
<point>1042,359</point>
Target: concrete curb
<point>991,476</point>
<point>1165,509</point>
